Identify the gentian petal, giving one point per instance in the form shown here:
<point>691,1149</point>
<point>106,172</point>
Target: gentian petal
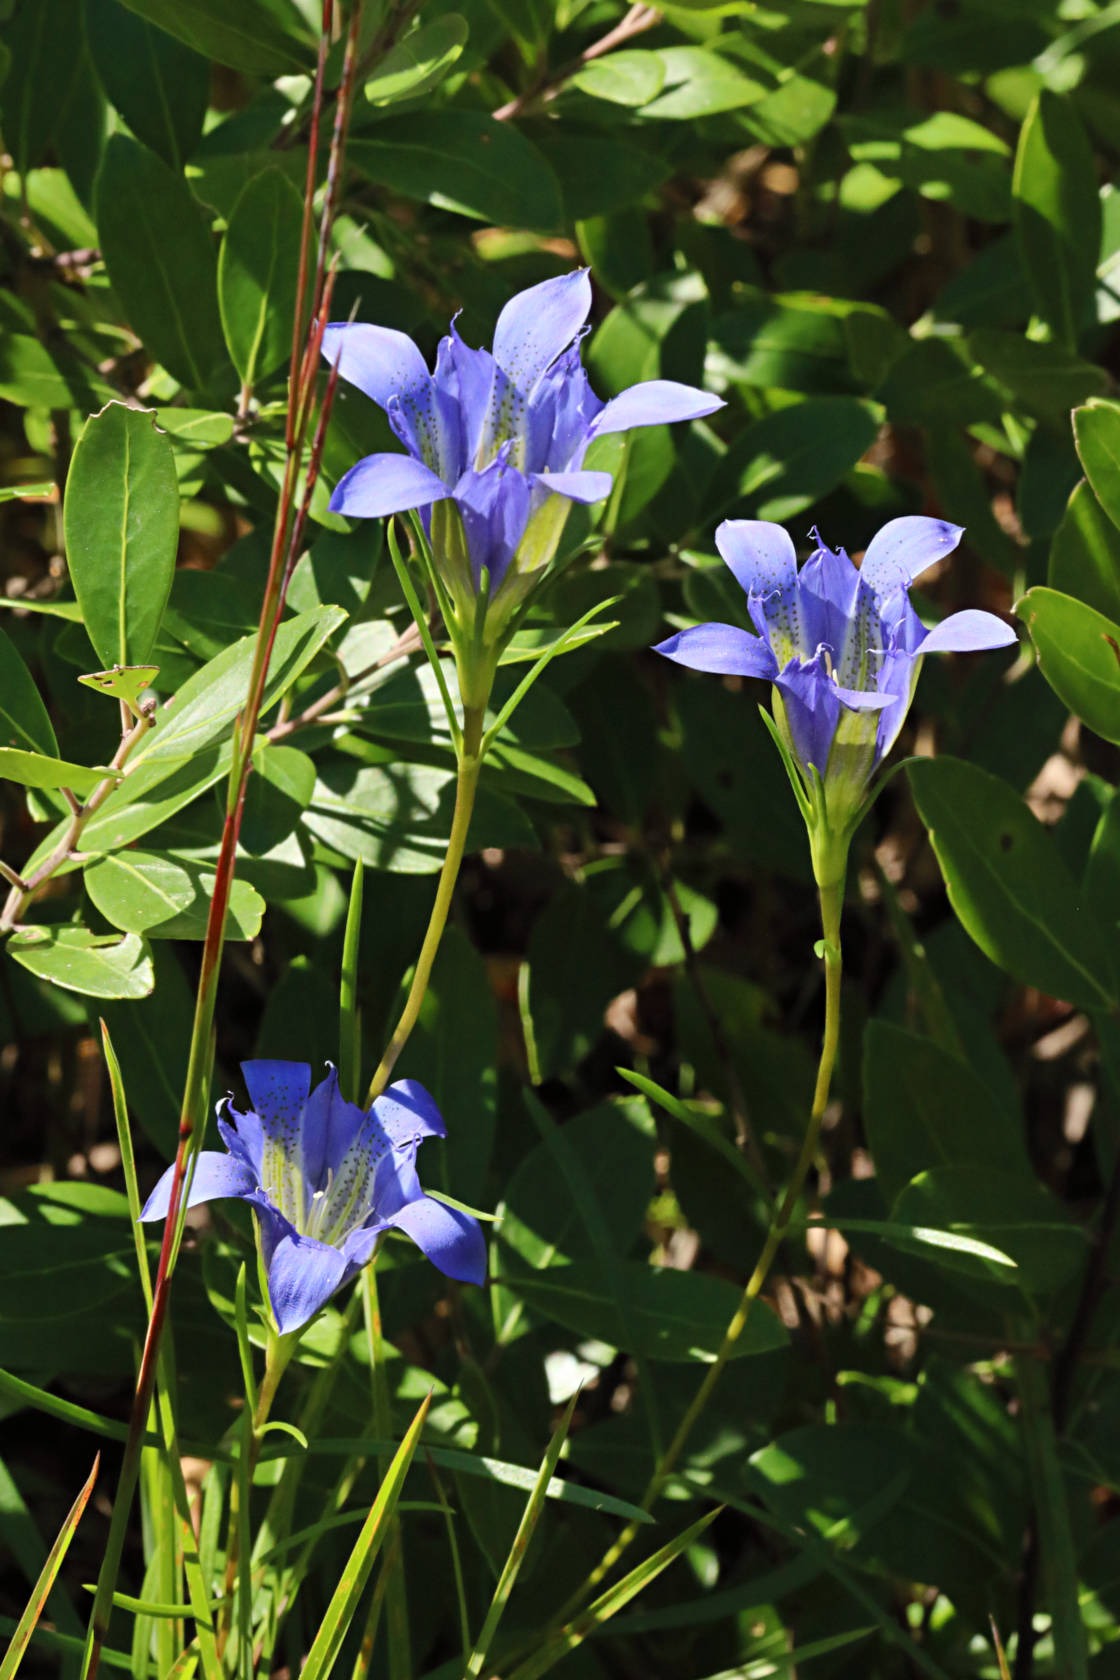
<point>381,484</point>
<point>760,555</point>
<point>215,1175</point>
<point>303,1274</point>
<point>278,1091</point>
<point>537,324</point>
<point>494,507</point>
<point>408,1113</point>
<point>559,417</point>
<point>812,706</point>
<point>897,679</point>
<point>452,1240</point>
<point>577,486</point>
<point>655,402</point>
<point>970,631</point>
<point>903,549</point>
<point>243,1135</point>
<point>720,648</point>
<point>380,361</point>
<point>469,376</point>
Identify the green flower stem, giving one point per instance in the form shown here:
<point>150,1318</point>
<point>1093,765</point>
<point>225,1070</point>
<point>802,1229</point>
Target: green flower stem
<point>466,786</point>
<point>831,899</point>
<point>278,1354</point>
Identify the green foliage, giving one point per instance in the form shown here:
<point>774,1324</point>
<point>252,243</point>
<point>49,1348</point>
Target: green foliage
<point>889,238</point>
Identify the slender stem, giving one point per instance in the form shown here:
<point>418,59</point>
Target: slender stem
<point>466,786</point>
<point>23,890</point>
<point>831,898</point>
<point>278,1356</point>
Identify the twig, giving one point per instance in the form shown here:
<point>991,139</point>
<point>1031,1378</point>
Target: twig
<point>23,890</point>
<point>637,19</point>
<point>404,647</point>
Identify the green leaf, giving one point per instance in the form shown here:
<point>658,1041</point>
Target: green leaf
<point>1085,553</point>
<point>1078,654</point>
<point>613,1144</point>
<point>1008,884</point>
<point>1057,213</point>
<point>208,702</point>
<point>122,531</point>
<point>123,682</point>
<point>160,258</point>
<point>344,1601</point>
<point>257,274</point>
<point>36,377</point>
<point>37,1602</point>
<point>463,161</point>
<point>160,87</point>
<point>34,770</point>
<point>167,898</point>
<point>419,62</point>
<point>609,1603</point>
<point>924,1108</point>
<point>97,965</point>
<point>1042,379</point>
<point>674,1315</point>
<point>519,1546</point>
<point>1006,1211</point>
<point>198,426</point>
<point>255,37</point>
<point>1096,431</point>
<point>23,717</point>
<point>783,463</point>
<point>700,83</point>
<point>622,78</point>
<point>398,817</point>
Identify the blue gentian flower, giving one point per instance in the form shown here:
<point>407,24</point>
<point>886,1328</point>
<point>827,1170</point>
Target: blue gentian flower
<point>842,645</point>
<point>495,440</point>
<point>326,1180</point>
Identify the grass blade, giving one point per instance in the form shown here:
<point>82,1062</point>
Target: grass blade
<point>41,1591</point>
<point>610,1602</point>
<point>344,1602</point>
<point>525,1531</point>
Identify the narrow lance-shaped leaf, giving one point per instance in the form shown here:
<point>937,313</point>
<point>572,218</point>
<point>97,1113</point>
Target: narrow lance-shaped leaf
<point>122,529</point>
<point>344,1602</point>
<point>26,1626</point>
<point>520,1545</point>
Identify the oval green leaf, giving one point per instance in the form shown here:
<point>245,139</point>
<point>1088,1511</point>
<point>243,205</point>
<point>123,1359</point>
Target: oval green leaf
<point>258,271</point>
<point>97,965</point>
<point>679,1316</point>
<point>1078,654</point>
<point>417,64</point>
<point>23,717</point>
<point>1008,883</point>
<point>1085,553</point>
<point>161,262</point>
<point>167,898</point>
<point>256,37</point>
<point>122,529</point>
<point>160,87</point>
<point>35,770</point>
<point>463,161</point>
<point>1096,431</point>
<point>1057,213</point>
